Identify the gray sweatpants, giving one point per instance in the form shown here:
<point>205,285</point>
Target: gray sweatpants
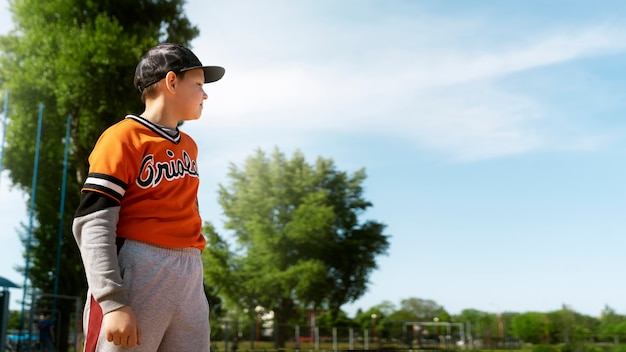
<point>167,295</point>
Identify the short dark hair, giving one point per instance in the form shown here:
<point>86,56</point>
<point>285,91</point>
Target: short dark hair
<point>150,90</point>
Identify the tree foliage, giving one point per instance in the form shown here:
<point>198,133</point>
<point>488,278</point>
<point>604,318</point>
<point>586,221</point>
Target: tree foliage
<point>532,327</point>
<point>300,243</point>
<point>76,57</point>
<point>423,309</point>
<point>612,323</point>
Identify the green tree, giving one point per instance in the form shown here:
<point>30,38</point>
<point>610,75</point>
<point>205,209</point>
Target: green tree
<point>507,318</point>
<point>424,310</point>
<point>373,321</point>
<point>476,323</point>
<point>76,57</point>
<point>300,242</point>
<point>13,320</point>
<point>375,315</point>
<point>327,320</point>
<point>531,327</point>
<point>612,325</point>
<point>563,323</point>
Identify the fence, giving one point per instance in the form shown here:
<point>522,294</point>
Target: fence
<point>391,336</point>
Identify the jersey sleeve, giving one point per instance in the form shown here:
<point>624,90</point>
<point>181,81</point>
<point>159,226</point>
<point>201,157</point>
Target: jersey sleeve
<point>96,219</point>
<point>94,231</point>
<point>112,164</point>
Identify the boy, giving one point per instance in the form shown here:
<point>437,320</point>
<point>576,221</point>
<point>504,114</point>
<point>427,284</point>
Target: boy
<point>138,225</point>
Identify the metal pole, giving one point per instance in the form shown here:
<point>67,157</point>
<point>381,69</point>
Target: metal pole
<point>31,215</point>
<point>351,338</point>
<point>258,329</point>
<point>62,213</point>
<point>226,336</point>
<point>4,309</point>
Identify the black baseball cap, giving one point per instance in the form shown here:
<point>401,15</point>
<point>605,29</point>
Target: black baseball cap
<point>166,57</point>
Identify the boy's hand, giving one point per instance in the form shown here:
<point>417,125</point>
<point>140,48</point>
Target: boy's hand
<point>121,327</point>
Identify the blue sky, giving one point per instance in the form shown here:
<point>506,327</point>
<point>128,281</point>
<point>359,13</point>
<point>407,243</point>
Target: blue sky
<point>493,134</point>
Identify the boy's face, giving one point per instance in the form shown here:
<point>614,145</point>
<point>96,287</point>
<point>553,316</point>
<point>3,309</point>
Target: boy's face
<point>190,94</point>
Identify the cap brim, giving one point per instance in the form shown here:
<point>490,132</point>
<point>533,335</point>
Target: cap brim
<point>213,73</point>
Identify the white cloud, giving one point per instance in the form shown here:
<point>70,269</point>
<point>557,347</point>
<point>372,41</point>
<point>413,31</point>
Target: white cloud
<point>248,93</point>
<point>449,101</point>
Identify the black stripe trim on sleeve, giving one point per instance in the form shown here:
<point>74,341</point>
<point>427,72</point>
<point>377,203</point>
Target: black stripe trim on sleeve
<point>91,202</point>
<point>107,184</point>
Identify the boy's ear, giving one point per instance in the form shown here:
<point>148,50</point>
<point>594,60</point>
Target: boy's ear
<point>170,81</point>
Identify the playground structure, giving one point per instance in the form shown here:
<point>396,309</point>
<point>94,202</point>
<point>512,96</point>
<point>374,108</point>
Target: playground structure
<point>26,337</point>
<point>424,338</point>
<point>4,308</point>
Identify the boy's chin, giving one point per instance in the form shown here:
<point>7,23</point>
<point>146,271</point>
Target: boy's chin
<point>192,118</point>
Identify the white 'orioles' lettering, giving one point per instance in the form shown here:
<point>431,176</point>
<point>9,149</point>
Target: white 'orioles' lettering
<point>151,173</point>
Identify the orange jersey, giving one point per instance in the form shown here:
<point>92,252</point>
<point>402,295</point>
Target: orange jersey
<point>154,177</point>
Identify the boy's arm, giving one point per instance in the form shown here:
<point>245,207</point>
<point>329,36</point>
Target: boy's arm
<point>94,229</point>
